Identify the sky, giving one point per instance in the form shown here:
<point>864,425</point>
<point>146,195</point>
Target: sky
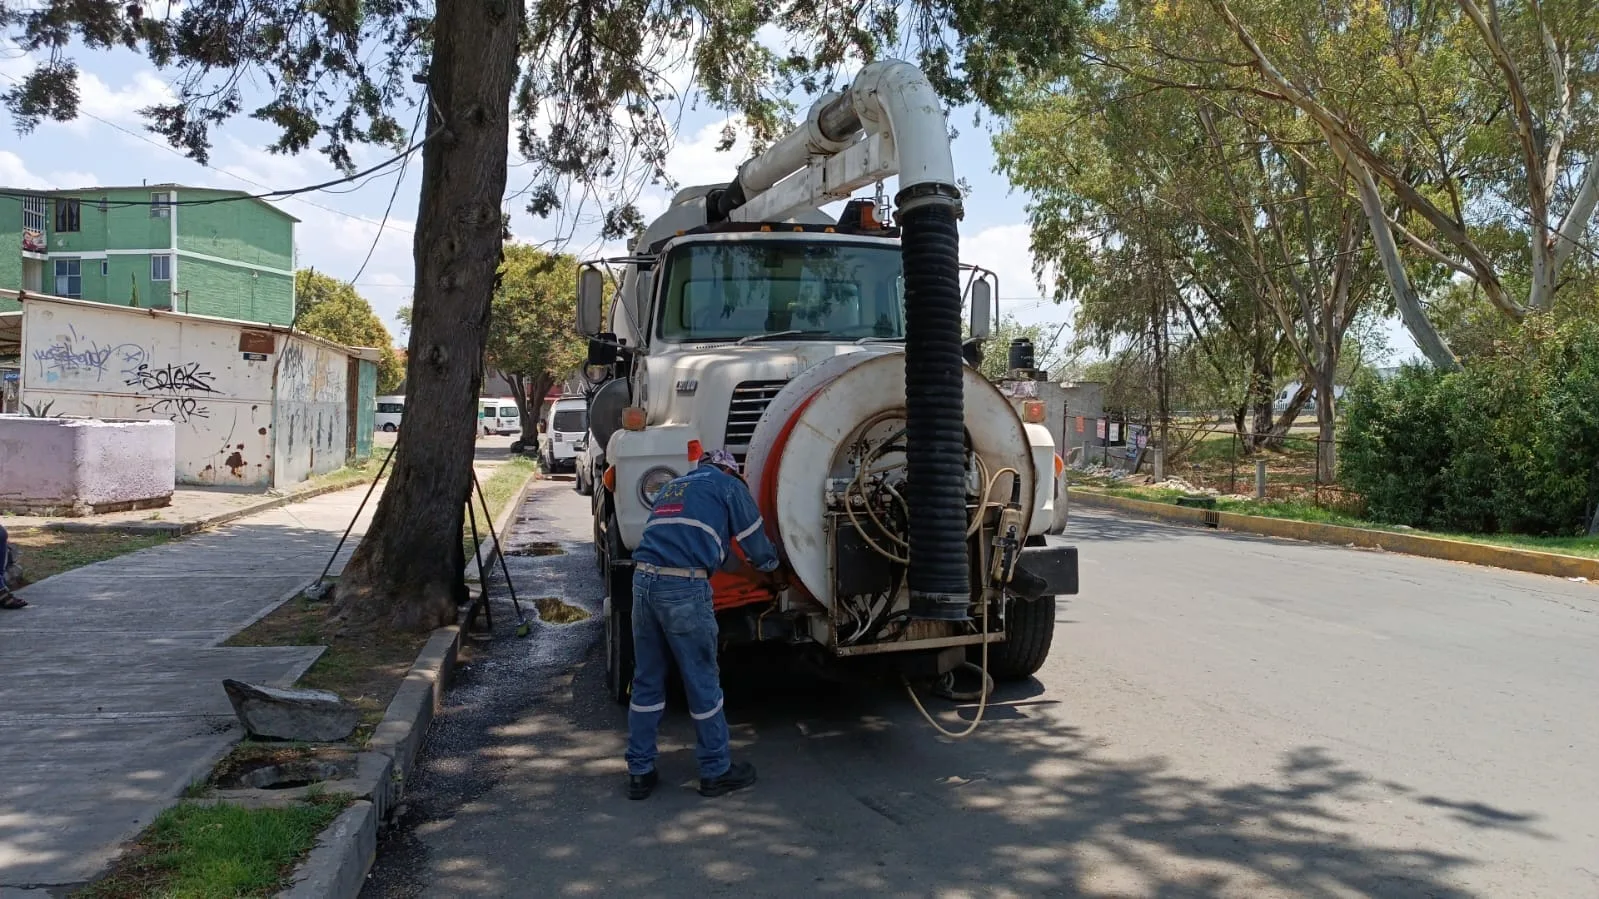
<point>339,227</point>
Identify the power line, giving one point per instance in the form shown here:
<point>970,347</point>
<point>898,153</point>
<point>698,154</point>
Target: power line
<point>168,148</point>
<point>421,110</point>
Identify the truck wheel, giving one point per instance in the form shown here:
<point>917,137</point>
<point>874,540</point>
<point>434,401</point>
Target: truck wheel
<point>619,623</point>
<point>1030,627</point>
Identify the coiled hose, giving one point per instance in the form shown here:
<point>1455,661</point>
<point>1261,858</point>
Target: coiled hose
<point>935,415</point>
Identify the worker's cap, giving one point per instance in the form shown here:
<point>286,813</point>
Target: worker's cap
<point>721,459</point>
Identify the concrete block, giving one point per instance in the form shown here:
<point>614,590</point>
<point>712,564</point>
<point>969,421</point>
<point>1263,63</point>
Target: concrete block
<point>65,466</point>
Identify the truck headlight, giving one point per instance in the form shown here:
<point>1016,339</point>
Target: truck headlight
<point>649,486</point>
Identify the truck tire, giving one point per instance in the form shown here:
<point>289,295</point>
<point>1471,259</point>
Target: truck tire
<point>619,621</point>
<point>1030,627</point>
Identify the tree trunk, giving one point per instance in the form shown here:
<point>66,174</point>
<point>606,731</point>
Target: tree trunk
<point>406,574</point>
<point>1421,329</point>
<point>1326,407</point>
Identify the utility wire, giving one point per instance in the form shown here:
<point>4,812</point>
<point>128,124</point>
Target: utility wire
<point>421,111</point>
<point>168,148</point>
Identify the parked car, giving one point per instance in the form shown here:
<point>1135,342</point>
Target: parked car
<point>564,428</point>
<point>499,415</point>
<point>589,461</point>
<point>390,409</point>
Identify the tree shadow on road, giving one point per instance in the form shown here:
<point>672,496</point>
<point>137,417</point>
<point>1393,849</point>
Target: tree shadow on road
<point>521,795</point>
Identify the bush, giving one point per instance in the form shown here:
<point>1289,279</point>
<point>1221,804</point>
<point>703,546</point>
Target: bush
<point>1510,445</point>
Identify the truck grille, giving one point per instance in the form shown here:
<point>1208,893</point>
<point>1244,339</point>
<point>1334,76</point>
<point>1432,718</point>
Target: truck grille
<point>750,400</point>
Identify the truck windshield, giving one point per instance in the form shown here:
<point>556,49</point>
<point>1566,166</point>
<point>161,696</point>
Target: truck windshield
<point>831,290</point>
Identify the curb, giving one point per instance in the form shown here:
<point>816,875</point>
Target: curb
<point>347,848</point>
<point>344,853</point>
<point>1528,560</point>
<point>185,528</point>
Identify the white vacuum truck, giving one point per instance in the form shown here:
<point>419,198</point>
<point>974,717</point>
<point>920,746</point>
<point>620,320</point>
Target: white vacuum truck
<point>909,499</point>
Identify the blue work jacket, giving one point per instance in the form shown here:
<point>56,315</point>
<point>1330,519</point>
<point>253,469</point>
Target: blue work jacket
<point>697,517</point>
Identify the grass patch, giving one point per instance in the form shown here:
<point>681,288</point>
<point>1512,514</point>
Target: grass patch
<point>45,553</point>
<point>553,611</point>
<point>499,489</point>
<point>211,851</point>
<point>355,473</point>
<point>1587,547</point>
<point>365,668</point>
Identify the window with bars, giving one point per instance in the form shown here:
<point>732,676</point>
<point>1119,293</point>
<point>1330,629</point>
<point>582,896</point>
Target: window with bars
<point>33,214</point>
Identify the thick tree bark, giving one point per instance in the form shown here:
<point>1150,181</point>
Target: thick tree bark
<point>406,573</point>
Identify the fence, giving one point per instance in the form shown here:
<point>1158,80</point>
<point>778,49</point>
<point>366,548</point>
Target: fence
<point>1213,455</point>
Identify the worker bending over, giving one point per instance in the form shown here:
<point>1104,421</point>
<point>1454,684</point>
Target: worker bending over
<point>694,521</point>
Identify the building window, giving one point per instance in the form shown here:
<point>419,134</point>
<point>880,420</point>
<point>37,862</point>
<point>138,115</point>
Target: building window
<point>160,205</point>
<point>69,278</point>
<point>67,215</point>
<point>105,267</point>
<point>160,268</point>
<point>33,214</point>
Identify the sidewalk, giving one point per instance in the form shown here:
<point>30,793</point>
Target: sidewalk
<point>192,509</point>
<point>111,698</point>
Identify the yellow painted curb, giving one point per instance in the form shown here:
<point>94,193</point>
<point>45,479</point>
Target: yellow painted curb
<point>1553,564</point>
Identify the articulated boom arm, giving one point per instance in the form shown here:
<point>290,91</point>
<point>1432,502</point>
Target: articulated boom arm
<point>889,122</point>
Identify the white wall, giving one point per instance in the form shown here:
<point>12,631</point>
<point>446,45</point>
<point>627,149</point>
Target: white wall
<point>312,416</point>
<point>102,361</point>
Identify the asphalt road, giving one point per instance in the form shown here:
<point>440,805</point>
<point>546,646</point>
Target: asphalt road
<point>1221,716</point>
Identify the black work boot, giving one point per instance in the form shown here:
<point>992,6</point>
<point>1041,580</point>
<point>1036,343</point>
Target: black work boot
<point>737,776</point>
<point>640,786</point>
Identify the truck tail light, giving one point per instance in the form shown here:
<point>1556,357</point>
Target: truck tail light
<point>609,479</point>
<point>633,418</point>
<point>1033,412</point>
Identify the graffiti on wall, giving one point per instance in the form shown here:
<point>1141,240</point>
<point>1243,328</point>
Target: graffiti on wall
<point>174,391</point>
<point>71,356</point>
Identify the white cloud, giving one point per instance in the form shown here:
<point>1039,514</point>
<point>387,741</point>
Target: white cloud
<point>120,104</point>
<point>15,173</point>
<point>1004,250</point>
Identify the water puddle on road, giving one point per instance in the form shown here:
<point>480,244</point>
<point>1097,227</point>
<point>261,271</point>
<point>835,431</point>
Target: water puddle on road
<point>553,611</point>
<point>537,549</point>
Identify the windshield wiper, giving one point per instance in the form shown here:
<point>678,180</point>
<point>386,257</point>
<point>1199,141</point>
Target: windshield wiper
<point>881,340</point>
<point>773,335</point>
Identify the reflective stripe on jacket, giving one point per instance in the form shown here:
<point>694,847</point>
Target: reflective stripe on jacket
<point>698,516</point>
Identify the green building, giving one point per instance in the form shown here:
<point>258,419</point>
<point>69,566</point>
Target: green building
<point>157,246</point>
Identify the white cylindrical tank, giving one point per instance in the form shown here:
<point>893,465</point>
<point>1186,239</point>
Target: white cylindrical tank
<point>799,442</point>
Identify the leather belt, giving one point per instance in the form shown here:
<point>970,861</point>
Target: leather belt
<point>698,574</point>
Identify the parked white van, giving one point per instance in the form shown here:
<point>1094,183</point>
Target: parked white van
<point>565,431</point>
<point>390,408</point>
<point>499,415</point>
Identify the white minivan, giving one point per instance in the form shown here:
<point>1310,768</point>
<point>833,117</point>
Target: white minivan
<point>390,408</point>
<point>499,415</point>
<point>565,430</point>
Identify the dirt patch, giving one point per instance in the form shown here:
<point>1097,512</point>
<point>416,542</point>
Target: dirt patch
<point>553,611</point>
<point>365,668</point>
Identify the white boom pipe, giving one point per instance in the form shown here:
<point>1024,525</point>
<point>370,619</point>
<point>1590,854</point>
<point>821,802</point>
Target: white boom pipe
<point>894,107</point>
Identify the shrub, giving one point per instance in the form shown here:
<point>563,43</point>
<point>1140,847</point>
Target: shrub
<point>1509,445</point>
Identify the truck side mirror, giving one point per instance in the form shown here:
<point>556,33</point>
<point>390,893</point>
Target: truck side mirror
<point>590,300</point>
<point>982,310</point>
<point>602,352</point>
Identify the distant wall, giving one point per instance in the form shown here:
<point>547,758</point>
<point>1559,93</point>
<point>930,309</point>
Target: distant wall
<point>74,467</point>
<point>312,403</point>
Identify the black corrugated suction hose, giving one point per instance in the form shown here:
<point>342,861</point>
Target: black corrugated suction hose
<point>935,415</point>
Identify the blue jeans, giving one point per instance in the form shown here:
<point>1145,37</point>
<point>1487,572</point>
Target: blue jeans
<point>674,615</point>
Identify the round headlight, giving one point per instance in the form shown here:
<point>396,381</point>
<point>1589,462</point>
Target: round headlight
<point>649,486</point>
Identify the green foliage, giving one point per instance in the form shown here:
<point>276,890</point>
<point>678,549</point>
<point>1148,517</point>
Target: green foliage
<point>1510,445</point>
<point>593,104</point>
<point>535,308</point>
<point>333,310</point>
